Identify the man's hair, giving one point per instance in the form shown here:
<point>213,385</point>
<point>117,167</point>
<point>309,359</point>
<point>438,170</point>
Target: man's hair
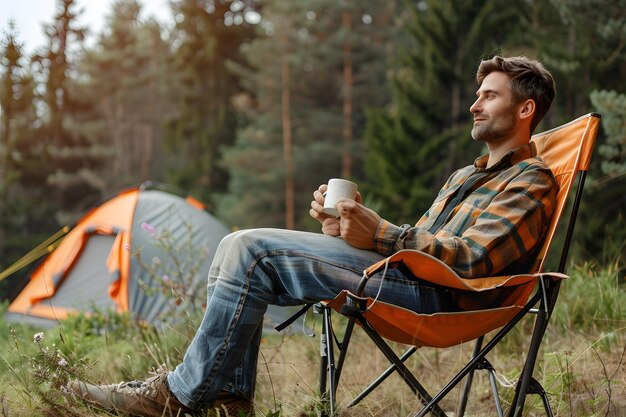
<point>529,80</point>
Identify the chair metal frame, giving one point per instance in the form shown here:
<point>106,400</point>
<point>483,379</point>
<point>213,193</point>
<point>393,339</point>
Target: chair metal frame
<point>540,304</point>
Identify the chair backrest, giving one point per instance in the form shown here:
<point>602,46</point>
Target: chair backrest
<point>567,151</point>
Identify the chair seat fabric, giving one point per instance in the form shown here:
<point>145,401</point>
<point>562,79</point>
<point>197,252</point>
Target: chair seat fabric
<point>446,328</point>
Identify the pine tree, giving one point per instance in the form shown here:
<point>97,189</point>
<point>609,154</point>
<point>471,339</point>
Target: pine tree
<point>125,72</point>
<point>62,34</point>
<point>583,44</point>
<point>314,116</point>
<point>18,212</point>
<point>17,103</point>
<point>206,37</point>
<point>612,106</point>
<point>413,146</point>
<point>256,164</point>
<point>603,234</point>
<point>70,156</point>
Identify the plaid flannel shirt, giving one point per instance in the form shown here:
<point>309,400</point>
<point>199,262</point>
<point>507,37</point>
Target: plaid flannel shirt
<point>497,228</point>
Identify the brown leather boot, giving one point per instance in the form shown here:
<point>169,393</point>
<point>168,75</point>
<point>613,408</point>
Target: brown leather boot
<point>150,398</point>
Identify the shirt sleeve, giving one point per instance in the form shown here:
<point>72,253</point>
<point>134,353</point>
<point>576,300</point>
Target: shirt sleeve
<point>511,226</point>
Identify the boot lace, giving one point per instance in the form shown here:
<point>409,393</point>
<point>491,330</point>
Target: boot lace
<point>150,387</point>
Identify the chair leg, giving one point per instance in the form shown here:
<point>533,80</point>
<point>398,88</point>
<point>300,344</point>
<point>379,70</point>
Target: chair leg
<point>327,362</point>
<point>494,387</point>
<point>483,364</point>
<point>330,370</point>
<point>522,388</point>
<point>323,366</point>
<point>483,352</point>
<point>371,387</point>
<point>343,348</point>
<point>536,388</point>
<point>329,375</point>
<point>417,388</point>
<point>468,382</point>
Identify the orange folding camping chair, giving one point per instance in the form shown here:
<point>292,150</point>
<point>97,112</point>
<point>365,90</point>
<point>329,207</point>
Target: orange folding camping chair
<point>567,151</point>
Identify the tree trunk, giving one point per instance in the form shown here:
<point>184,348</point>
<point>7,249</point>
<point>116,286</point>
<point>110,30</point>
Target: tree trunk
<point>286,124</point>
<point>455,107</point>
<point>346,160</point>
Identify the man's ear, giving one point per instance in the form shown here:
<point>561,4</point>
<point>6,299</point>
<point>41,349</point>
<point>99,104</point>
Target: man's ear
<point>527,109</point>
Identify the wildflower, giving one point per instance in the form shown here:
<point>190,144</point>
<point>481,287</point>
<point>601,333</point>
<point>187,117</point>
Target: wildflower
<point>62,362</point>
<point>156,260</point>
<point>38,337</point>
<point>166,278</point>
<point>149,228</point>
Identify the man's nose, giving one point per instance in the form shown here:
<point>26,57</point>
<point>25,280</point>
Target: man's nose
<point>475,108</point>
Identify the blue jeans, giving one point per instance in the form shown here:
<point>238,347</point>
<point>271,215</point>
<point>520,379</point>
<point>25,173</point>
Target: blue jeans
<point>254,268</point>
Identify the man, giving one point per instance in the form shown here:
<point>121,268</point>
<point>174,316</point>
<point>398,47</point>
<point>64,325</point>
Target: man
<point>489,218</point>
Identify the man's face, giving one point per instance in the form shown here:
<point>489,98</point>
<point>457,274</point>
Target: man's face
<point>494,112</point>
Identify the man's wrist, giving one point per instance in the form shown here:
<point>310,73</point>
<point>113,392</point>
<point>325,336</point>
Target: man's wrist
<point>386,237</point>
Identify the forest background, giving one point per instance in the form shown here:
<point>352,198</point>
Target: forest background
<point>250,105</point>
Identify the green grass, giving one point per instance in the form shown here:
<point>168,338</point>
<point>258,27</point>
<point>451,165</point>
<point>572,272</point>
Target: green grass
<point>582,363</point>
<point>592,299</point>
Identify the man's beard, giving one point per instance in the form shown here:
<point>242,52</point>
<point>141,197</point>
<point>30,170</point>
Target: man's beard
<point>492,129</point>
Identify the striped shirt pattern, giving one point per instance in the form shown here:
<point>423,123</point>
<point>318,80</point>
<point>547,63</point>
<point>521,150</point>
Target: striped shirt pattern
<point>497,228</point>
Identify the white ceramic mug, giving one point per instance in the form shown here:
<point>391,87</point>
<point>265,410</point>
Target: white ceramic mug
<point>338,189</point>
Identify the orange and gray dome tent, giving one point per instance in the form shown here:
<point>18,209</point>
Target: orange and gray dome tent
<point>101,262</point>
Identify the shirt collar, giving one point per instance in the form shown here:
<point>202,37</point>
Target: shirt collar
<point>511,158</point>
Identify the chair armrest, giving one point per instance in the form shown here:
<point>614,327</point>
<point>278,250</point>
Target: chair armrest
<point>433,270</point>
